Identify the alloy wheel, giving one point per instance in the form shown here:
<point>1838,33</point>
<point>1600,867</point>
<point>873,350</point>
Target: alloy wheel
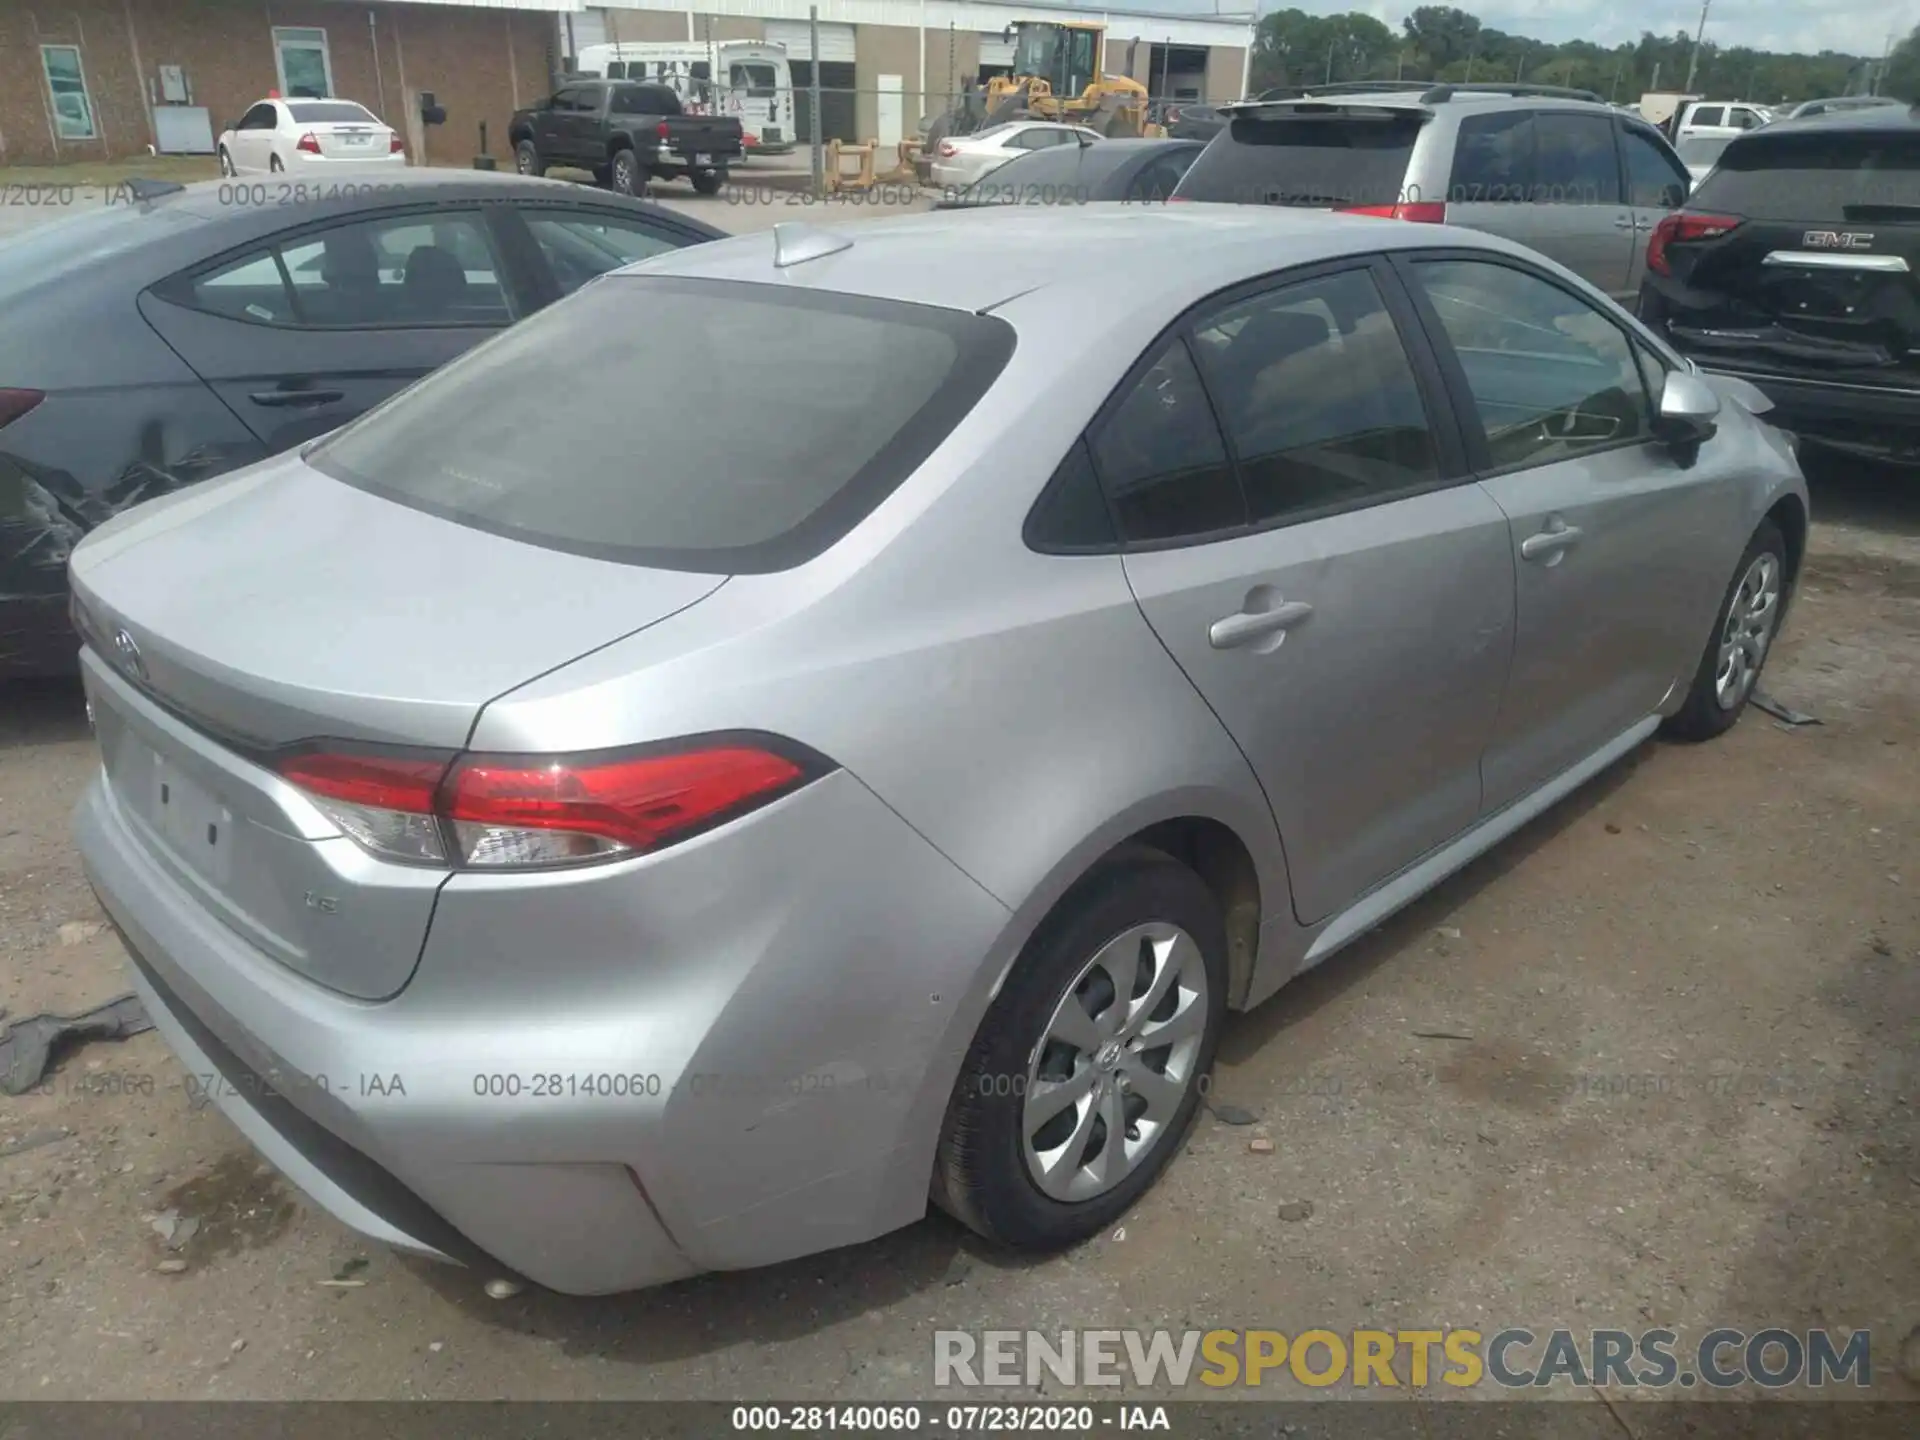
<point>1115,1062</point>
<point>1748,631</point>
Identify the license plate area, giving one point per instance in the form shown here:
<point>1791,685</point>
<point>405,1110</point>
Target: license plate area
<point>189,819</point>
<point>703,159</point>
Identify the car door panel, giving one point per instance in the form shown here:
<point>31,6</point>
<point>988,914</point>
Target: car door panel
<point>1607,525</point>
<point>1355,643</point>
<point>1657,185</point>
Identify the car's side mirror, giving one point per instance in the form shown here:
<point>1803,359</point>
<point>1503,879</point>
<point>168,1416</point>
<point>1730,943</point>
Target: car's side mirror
<point>1689,410</point>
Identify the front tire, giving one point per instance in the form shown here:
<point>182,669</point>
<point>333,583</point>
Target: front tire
<point>526,159</point>
<point>1749,622</point>
<point>1086,1073</point>
<point>226,164</point>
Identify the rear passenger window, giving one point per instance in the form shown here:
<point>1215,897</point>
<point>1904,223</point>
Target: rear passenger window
<point>1552,377</point>
<point>1493,160</point>
<point>1574,161</point>
<point>407,270</point>
<point>1318,397</point>
<point>248,289</point>
<point>1656,180</point>
<point>1161,459</point>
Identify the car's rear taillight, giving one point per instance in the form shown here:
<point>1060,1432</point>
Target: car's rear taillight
<point>663,130</point>
<point>1683,227</point>
<point>309,143</point>
<point>395,145</point>
<point>535,811</point>
<point>15,403</point>
<point>1420,212</point>
<point>948,150</point>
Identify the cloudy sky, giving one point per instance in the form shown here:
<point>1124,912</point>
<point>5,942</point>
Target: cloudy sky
<point>1859,27</point>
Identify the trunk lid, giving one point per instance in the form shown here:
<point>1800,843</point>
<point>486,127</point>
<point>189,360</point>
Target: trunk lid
<point>343,130</point>
<point>711,135</point>
<point>1821,277</point>
<point>280,605</point>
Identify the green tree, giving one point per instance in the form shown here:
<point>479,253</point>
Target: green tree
<point>1902,79</point>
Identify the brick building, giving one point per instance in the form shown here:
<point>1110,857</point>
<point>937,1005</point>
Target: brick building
<point>102,79</point>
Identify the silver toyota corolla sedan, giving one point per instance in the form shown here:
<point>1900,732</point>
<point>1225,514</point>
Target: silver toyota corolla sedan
<point>816,723</point>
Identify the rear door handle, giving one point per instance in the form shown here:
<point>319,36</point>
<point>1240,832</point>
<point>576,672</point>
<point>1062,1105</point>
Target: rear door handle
<point>1250,625</point>
<point>282,398</point>
<point>1624,222</point>
<point>1550,544</point>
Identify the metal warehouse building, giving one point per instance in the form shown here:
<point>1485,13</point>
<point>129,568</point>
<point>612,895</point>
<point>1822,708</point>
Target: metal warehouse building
<point>923,51</point>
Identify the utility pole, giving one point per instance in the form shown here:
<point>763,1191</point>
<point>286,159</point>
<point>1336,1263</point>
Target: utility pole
<point>1618,71</point>
<point>1521,68</point>
<point>1886,58</point>
<point>1693,60</point>
<point>813,100</point>
<point>1475,50</point>
<point>1330,48</point>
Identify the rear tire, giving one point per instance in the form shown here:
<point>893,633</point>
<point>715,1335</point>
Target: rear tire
<point>1038,1175</point>
<point>623,174</point>
<point>1747,623</point>
<point>274,167</point>
<point>526,159</point>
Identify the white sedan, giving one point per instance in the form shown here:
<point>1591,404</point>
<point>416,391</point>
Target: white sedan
<point>963,159</point>
<point>289,136</point>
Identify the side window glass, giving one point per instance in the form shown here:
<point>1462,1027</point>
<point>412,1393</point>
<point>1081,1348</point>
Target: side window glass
<point>249,288</point>
<point>1071,514</point>
<point>407,270</point>
<point>1161,459</point>
<point>1574,160</point>
<point>1551,377</point>
<point>1656,180</point>
<point>1317,394</point>
<point>1155,183</point>
<point>1493,160</point>
<point>1653,371</point>
<point>1711,115</point>
<point>578,247</point>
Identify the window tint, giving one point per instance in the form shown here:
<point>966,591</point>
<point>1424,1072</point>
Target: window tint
<point>400,271</point>
<point>1156,180</point>
<point>1743,119</point>
<point>1574,161</point>
<point>1276,159</point>
<point>1656,180</point>
<point>576,99</point>
<point>1493,160</point>
<point>1818,174</point>
<point>579,246</point>
<point>757,77</point>
<point>1551,377</point>
<point>849,396</point>
<point>1709,115</point>
<point>1318,397</point>
<point>1071,513</point>
<point>249,289</point>
<point>260,117</point>
<point>320,112</point>
<point>1161,459</point>
<point>616,70</point>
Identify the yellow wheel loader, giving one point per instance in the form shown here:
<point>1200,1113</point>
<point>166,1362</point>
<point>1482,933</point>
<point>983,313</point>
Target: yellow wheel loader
<point>1058,74</point>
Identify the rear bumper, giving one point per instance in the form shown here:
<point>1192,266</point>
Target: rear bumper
<point>733,1054</point>
<point>1882,424</point>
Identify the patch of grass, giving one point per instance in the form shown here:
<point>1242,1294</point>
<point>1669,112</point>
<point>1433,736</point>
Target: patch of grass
<point>183,168</point>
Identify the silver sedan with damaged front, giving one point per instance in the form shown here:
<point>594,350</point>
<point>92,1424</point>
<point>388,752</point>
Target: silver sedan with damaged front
<point>722,840</point>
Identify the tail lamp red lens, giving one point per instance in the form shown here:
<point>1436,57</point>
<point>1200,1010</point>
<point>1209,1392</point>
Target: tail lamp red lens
<point>663,130</point>
<point>1420,212</point>
<point>395,145</point>
<point>525,811</point>
<point>308,142</point>
<point>948,150</point>
<point>1681,228</point>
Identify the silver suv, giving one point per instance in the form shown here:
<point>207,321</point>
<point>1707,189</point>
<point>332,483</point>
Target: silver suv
<point>1557,170</point>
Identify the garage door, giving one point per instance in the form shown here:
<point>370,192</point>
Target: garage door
<point>995,49</point>
<point>587,27</point>
<point>836,41</point>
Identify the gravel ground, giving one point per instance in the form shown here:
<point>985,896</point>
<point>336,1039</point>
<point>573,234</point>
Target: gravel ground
<point>1679,1088</point>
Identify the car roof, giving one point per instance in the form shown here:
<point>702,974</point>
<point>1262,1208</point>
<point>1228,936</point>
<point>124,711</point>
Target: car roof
<point>1872,117</point>
<point>977,259</point>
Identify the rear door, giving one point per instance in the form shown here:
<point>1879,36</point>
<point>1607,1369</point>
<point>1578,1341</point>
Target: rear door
<point>300,335</point>
<point>1319,567</point>
<point>1820,275</point>
<point>1657,185</point>
<point>1618,548</point>
<point>252,143</point>
<point>1549,179</point>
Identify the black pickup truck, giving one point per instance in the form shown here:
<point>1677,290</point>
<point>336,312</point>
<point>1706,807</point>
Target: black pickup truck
<point>625,133</point>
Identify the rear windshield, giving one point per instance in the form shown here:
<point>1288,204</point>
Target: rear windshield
<point>1817,175</point>
<point>685,424</point>
<point>327,112</point>
<point>50,252</point>
<point>1356,157</point>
